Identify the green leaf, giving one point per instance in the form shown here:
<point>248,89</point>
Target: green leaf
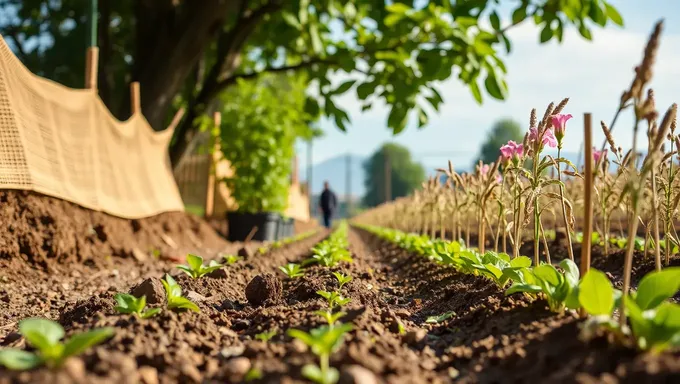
<point>317,45</point>
<point>365,89</point>
<point>571,271</point>
<point>312,107</point>
<point>548,273</point>
<point>344,87</point>
<point>474,88</point>
<point>495,20</point>
<point>398,8</point>
<point>18,360</point>
<point>183,303</point>
<point>150,313</point>
<point>397,118</point>
<point>195,262</point>
<point>521,261</point>
<point>422,117</point>
<point>597,15</point>
<point>290,19</point>
<point>596,293</point>
<point>613,14</point>
<point>392,19</point>
<point>82,341</point>
<point>655,287</point>
<point>585,32</point>
<point>41,333</point>
<point>527,288</point>
<point>546,33</point>
<point>495,88</point>
<point>519,14</point>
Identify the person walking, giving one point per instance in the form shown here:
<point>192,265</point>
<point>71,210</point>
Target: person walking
<point>327,203</point>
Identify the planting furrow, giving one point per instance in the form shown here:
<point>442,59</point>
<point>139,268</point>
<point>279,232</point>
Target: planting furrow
<point>490,337</point>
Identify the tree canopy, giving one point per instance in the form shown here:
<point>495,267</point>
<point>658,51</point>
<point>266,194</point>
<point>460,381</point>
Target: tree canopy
<point>502,132</point>
<point>185,53</point>
<point>406,175</point>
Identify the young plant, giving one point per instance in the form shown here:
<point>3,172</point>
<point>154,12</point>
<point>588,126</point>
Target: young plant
<point>195,267</point>
<point>323,341</point>
<point>557,287</point>
<point>334,298</point>
<point>439,318</point>
<point>266,335</point>
<point>130,304</point>
<point>342,278</point>
<point>231,259</point>
<point>329,316</point>
<point>44,335</point>
<point>174,294</point>
<point>292,270</point>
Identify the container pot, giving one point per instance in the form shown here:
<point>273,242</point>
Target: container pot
<point>241,223</point>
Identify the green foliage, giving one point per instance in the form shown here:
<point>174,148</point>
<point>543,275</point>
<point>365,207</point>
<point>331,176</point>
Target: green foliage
<point>439,318</point>
<point>333,250</point>
<point>334,298</point>
<point>342,279</point>
<point>266,335</point>
<point>174,295</point>
<point>195,267</point>
<point>261,121</point>
<point>502,132</point>
<point>44,335</point>
<point>232,259</point>
<point>558,287</point>
<point>330,317</point>
<point>323,341</point>
<point>292,270</point>
<point>406,175</point>
<point>130,304</point>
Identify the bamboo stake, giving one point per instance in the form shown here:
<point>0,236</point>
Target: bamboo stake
<point>91,67</point>
<point>588,197</point>
<point>135,98</point>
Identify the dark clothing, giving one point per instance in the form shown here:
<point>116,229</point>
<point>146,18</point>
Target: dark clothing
<point>328,203</point>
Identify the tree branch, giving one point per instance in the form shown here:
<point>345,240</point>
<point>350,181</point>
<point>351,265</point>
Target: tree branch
<point>305,64</point>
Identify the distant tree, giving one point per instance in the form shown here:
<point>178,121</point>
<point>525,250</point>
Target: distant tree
<point>406,175</point>
<point>502,132</point>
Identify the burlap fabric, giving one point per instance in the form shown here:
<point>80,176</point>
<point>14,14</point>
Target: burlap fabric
<point>65,143</point>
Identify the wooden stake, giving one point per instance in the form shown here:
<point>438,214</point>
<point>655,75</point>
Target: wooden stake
<point>176,119</point>
<point>91,67</point>
<point>212,166</point>
<point>135,98</point>
<point>588,196</point>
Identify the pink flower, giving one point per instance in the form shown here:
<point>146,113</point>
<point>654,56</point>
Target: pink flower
<point>484,169</point>
<point>499,178</point>
<point>559,123</point>
<point>548,137</point>
<point>512,151</point>
<point>597,155</point>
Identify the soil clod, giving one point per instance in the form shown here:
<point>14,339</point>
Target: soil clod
<point>264,289</point>
<point>356,374</point>
<point>152,288</point>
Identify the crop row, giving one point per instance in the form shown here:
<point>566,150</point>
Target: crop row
<point>653,320</point>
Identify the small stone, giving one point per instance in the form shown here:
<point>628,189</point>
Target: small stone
<point>413,338</point>
<point>356,374</point>
<point>149,375</point>
<point>264,289</point>
<point>233,351</point>
<point>75,369</point>
<point>152,288</point>
<point>238,366</point>
<point>139,255</point>
<point>245,253</point>
<point>240,324</point>
<point>195,296</point>
<point>191,372</point>
<point>403,313</point>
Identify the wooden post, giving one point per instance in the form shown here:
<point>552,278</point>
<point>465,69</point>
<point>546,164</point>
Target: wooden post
<point>588,196</point>
<point>135,98</point>
<point>91,67</point>
<point>212,160</point>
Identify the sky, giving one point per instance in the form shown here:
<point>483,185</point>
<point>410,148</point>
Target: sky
<point>593,74</point>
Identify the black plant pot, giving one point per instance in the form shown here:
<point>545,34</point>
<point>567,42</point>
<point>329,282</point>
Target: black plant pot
<point>241,223</point>
<point>286,228</point>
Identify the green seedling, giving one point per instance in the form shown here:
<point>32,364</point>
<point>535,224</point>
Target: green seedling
<point>333,298</point>
<point>262,250</point>
<point>132,305</point>
<point>292,270</point>
<point>44,336</point>
<point>276,244</point>
<point>195,267</point>
<point>231,259</point>
<point>440,318</point>
<point>342,279</point>
<point>329,316</point>
<point>175,299</point>
<point>557,287</point>
<point>323,341</point>
<point>253,373</point>
<point>266,335</point>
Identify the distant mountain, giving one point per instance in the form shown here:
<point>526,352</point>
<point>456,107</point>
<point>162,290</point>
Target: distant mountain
<point>334,170</point>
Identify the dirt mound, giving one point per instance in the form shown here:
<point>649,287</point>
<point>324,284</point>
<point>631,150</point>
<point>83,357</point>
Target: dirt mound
<point>42,230</point>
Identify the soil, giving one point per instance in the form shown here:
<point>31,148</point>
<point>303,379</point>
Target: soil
<point>487,337</point>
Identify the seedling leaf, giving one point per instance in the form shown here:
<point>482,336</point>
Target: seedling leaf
<point>18,360</point>
<point>596,293</point>
<point>655,287</point>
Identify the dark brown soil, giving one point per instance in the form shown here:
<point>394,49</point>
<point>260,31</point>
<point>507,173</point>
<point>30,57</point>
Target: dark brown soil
<point>488,337</point>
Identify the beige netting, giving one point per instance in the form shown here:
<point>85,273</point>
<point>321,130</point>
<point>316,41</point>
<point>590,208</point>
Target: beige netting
<point>65,143</point>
